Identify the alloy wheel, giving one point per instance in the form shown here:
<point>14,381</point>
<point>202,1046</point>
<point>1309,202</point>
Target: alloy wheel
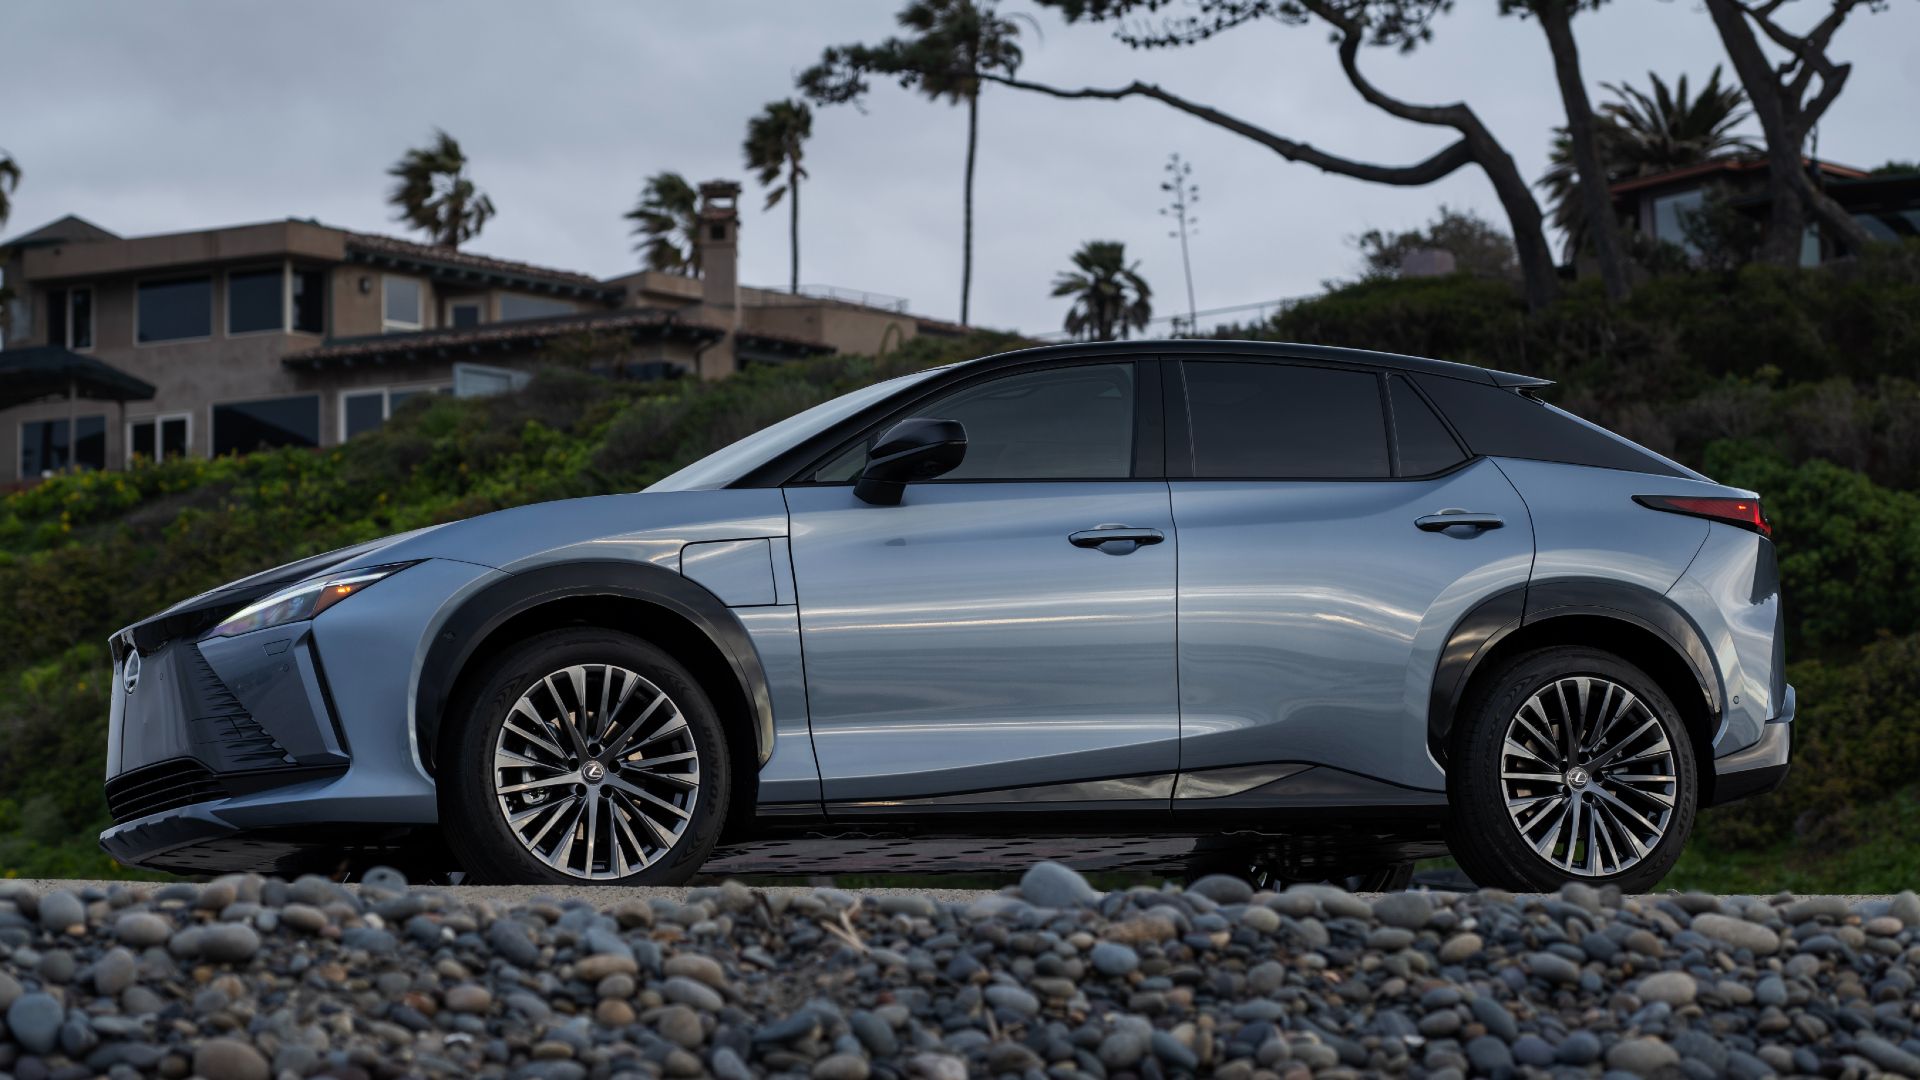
<point>596,771</point>
<point>1589,776</point>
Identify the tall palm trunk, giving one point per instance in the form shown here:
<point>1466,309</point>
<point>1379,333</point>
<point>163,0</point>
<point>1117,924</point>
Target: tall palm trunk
<point>793,227</point>
<point>966,229</point>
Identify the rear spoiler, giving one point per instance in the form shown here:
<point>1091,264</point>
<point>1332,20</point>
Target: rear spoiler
<point>1526,384</point>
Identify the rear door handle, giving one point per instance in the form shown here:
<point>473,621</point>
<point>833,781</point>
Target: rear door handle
<point>1115,539</point>
<point>1447,519</point>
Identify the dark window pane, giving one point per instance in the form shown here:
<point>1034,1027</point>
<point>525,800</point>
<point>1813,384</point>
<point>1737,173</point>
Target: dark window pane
<point>80,304</point>
<point>44,447</point>
<point>1499,422</point>
<point>175,310</point>
<point>364,412</point>
<point>254,301</point>
<point>1064,423</point>
<point>173,437</point>
<point>514,306</point>
<point>465,315</point>
<point>309,301</point>
<point>1425,446</point>
<point>143,433</point>
<point>1254,420</point>
<point>57,317</point>
<point>252,425</point>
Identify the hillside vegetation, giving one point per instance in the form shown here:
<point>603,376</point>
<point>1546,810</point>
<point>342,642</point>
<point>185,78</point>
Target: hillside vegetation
<point>1798,384</point>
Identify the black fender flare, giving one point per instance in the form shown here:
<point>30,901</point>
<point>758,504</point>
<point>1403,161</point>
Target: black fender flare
<point>493,606</point>
<point>1474,637</point>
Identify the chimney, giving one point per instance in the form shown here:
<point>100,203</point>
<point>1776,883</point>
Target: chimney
<point>719,247</point>
<point>720,242</point>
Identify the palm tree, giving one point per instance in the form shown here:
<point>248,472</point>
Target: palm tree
<point>9,183</point>
<point>434,194</point>
<point>954,42</point>
<point>667,220</point>
<point>1641,134</point>
<point>775,143</point>
<point>1109,296</point>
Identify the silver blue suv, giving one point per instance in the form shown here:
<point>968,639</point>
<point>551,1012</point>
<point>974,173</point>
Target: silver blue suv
<point>1296,611</point>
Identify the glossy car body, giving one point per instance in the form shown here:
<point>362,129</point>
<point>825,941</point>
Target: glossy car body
<point>1279,666</point>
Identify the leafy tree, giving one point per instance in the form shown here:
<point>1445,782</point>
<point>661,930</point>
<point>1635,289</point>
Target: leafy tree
<point>954,43</point>
<point>1643,133</point>
<point>1897,168</point>
<point>775,144</point>
<point>1478,247</point>
<point>433,193</point>
<point>1110,298</point>
<point>1787,115</point>
<point>667,222</point>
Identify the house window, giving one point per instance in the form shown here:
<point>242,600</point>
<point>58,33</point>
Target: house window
<point>45,447</point>
<point>256,425</point>
<point>400,303</point>
<point>256,301</point>
<point>177,310</point>
<point>158,438</point>
<point>463,314</point>
<point>70,317</point>
<point>514,306</point>
<point>1671,213</point>
<point>309,301</point>
<point>484,380</point>
<point>363,410</point>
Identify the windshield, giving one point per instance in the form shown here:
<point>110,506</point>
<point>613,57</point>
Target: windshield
<point>730,463</point>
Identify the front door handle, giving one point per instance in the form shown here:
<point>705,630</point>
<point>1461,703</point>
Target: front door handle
<point>1447,519</point>
<point>1115,539</point>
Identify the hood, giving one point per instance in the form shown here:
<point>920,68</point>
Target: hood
<point>197,614</point>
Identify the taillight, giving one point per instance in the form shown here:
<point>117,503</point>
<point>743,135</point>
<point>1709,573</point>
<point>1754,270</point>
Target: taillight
<point>1744,513</point>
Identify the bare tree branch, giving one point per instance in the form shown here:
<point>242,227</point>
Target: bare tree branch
<point>1433,168</point>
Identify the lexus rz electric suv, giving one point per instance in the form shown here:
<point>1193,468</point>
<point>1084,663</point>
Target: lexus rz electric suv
<point>1300,612</point>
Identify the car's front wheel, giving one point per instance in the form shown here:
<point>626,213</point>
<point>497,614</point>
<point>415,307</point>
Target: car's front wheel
<point>584,756</point>
<point>1569,764</point>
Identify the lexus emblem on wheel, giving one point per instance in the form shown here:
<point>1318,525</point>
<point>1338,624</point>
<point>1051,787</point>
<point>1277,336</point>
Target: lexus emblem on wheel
<point>130,672</point>
<point>593,772</point>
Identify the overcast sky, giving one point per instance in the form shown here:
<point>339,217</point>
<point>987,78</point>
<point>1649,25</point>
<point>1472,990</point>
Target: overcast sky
<point>166,115</point>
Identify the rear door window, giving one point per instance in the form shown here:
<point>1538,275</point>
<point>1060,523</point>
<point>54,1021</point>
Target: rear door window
<point>1254,420</point>
<point>1424,445</point>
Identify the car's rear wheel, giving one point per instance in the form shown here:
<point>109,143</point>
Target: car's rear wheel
<point>584,756</point>
<point>1569,764</point>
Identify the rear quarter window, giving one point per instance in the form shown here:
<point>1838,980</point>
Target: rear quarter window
<point>1499,422</point>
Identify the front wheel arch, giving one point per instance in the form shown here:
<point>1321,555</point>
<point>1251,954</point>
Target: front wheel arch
<point>657,605</point>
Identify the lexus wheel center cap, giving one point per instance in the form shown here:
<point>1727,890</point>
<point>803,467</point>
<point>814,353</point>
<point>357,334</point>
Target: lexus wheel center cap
<point>1577,777</point>
<point>593,772</point>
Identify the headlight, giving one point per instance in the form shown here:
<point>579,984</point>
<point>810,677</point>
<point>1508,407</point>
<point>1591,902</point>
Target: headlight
<point>302,601</point>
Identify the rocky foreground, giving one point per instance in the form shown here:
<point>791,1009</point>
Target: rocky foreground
<point>247,978</point>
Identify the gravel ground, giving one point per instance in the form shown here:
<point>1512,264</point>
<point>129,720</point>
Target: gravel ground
<point>246,978</point>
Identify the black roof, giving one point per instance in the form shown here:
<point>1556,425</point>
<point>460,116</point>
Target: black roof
<point>1325,354</point>
<point>44,371</point>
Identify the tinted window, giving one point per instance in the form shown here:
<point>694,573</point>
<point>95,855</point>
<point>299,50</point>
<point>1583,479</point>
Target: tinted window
<point>1499,422</point>
<point>1275,420</point>
<point>364,412</point>
<point>171,434</point>
<point>309,302</point>
<point>1423,442</point>
<point>45,446</point>
<point>1057,424</point>
<point>515,306</point>
<point>176,310</point>
<point>81,315</point>
<point>401,297</point>
<point>252,425</point>
<point>254,300</point>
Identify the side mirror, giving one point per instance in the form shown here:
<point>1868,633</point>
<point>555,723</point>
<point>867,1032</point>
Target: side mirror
<point>918,449</point>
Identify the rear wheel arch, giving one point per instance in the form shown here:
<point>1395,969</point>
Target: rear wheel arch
<point>656,605</point>
<point>1638,625</point>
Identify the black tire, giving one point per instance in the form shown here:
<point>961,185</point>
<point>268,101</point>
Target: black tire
<point>1487,841</point>
<point>471,812</point>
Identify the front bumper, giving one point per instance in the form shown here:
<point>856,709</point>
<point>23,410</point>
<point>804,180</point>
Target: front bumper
<point>1762,767</point>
